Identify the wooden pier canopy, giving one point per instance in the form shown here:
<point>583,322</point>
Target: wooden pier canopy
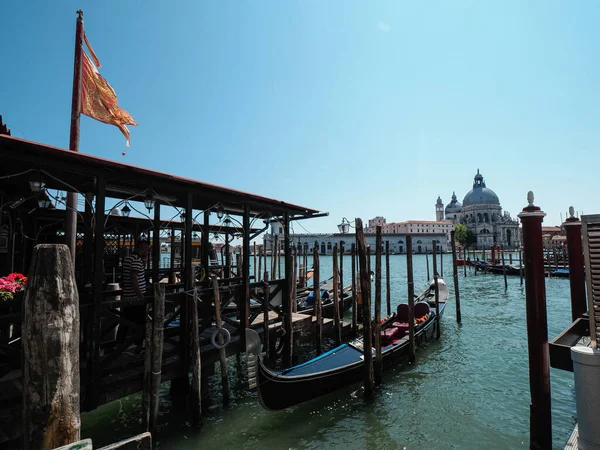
<point>27,218</point>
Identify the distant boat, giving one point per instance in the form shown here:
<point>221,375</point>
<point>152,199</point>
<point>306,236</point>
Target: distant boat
<point>344,365</point>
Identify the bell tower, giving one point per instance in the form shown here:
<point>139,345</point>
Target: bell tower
<point>439,209</point>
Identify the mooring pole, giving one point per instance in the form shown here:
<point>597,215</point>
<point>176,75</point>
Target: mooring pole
<point>441,262</point>
<point>388,299</point>
<point>222,353</point>
<point>537,327</point>
<point>265,309</point>
<point>158,323</point>
<point>576,266</point>
<point>437,291</point>
<point>287,300</point>
<point>341,287</point>
<point>196,397</point>
<point>317,298</point>
<point>411,300</point>
<point>365,284</point>
<point>254,262</point>
<point>336,298</point>
<point>354,291</point>
<point>427,262</point>
<point>455,275</point>
<point>504,268</point>
<point>50,337</point>
<point>378,368</point>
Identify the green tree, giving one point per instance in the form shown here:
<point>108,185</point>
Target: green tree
<point>464,236</point>
<point>461,234</point>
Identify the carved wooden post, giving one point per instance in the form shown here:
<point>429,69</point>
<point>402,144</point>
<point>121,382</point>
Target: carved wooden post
<point>537,327</point>
<point>51,350</point>
<point>576,267</point>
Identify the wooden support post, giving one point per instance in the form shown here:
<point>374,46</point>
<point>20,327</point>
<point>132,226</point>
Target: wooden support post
<point>266,274</point>
<point>437,291</point>
<point>504,268</point>
<point>510,258</point>
<point>172,278</point>
<point>260,274</point>
<point>265,309</point>
<point>427,264</point>
<point>365,284</point>
<point>220,341</point>
<point>388,299</point>
<point>317,299</point>
<point>455,275</point>
<point>336,298</point>
<point>369,265</point>
<point>287,294</point>
<point>158,324</point>
<point>475,262</point>
<point>354,291</point>
<point>196,397</point>
<point>181,385</point>
<point>294,295</point>
<point>274,248</point>
<point>411,299</point>
<point>254,262</point>
<point>156,243</point>
<point>441,262</point>
<point>227,257</point>
<point>245,299</point>
<point>51,346</point>
<point>378,366</point>
<point>341,286</point>
<point>93,362</point>
<point>576,266</point>
<point>147,383</point>
<point>88,244</point>
<point>555,253</point>
<point>537,327</point>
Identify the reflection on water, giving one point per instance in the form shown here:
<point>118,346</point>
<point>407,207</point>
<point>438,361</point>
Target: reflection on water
<point>470,390</point>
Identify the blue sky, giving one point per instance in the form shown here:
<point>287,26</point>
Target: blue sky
<point>354,108</point>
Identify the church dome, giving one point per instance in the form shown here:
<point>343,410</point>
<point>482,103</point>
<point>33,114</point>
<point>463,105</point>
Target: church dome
<point>480,194</point>
<point>454,206</point>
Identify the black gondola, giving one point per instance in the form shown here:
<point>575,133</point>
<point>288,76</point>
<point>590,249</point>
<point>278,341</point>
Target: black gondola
<point>344,365</point>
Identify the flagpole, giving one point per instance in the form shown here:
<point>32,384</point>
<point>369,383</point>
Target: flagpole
<point>71,212</point>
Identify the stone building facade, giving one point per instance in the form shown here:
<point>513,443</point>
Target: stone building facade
<point>482,214</point>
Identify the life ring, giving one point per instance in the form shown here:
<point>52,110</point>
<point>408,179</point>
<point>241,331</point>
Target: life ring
<point>226,337</point>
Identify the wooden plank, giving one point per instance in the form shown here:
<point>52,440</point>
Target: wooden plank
<point>572,442</point>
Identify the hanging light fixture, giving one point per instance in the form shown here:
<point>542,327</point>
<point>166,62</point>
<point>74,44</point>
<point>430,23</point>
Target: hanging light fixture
<point>227,221</point>
<point>36,186</point>
<point>149,201</point>
<point>344,227</point>
<point>44,202</point>
<point>195,235</point>
<point>220,212</point>
<point>126,210</point>
<point>216,236</point>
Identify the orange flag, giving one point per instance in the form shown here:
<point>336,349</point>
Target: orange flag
<point>98,98</point>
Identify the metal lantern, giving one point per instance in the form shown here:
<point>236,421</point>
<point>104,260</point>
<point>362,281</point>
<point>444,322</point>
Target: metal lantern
<point>149,201</point>
<point>126,210</point>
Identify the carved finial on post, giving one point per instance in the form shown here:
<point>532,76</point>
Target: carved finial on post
<point>530,198</point>
<point>571,211</point>
<point>80,14</point>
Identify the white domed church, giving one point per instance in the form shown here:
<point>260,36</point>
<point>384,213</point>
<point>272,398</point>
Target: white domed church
<point>481,212</point>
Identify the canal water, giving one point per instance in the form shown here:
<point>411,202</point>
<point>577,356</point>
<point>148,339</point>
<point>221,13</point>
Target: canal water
<point>469,390</point>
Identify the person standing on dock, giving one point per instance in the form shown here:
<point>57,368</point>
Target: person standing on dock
<point>134,285</point>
